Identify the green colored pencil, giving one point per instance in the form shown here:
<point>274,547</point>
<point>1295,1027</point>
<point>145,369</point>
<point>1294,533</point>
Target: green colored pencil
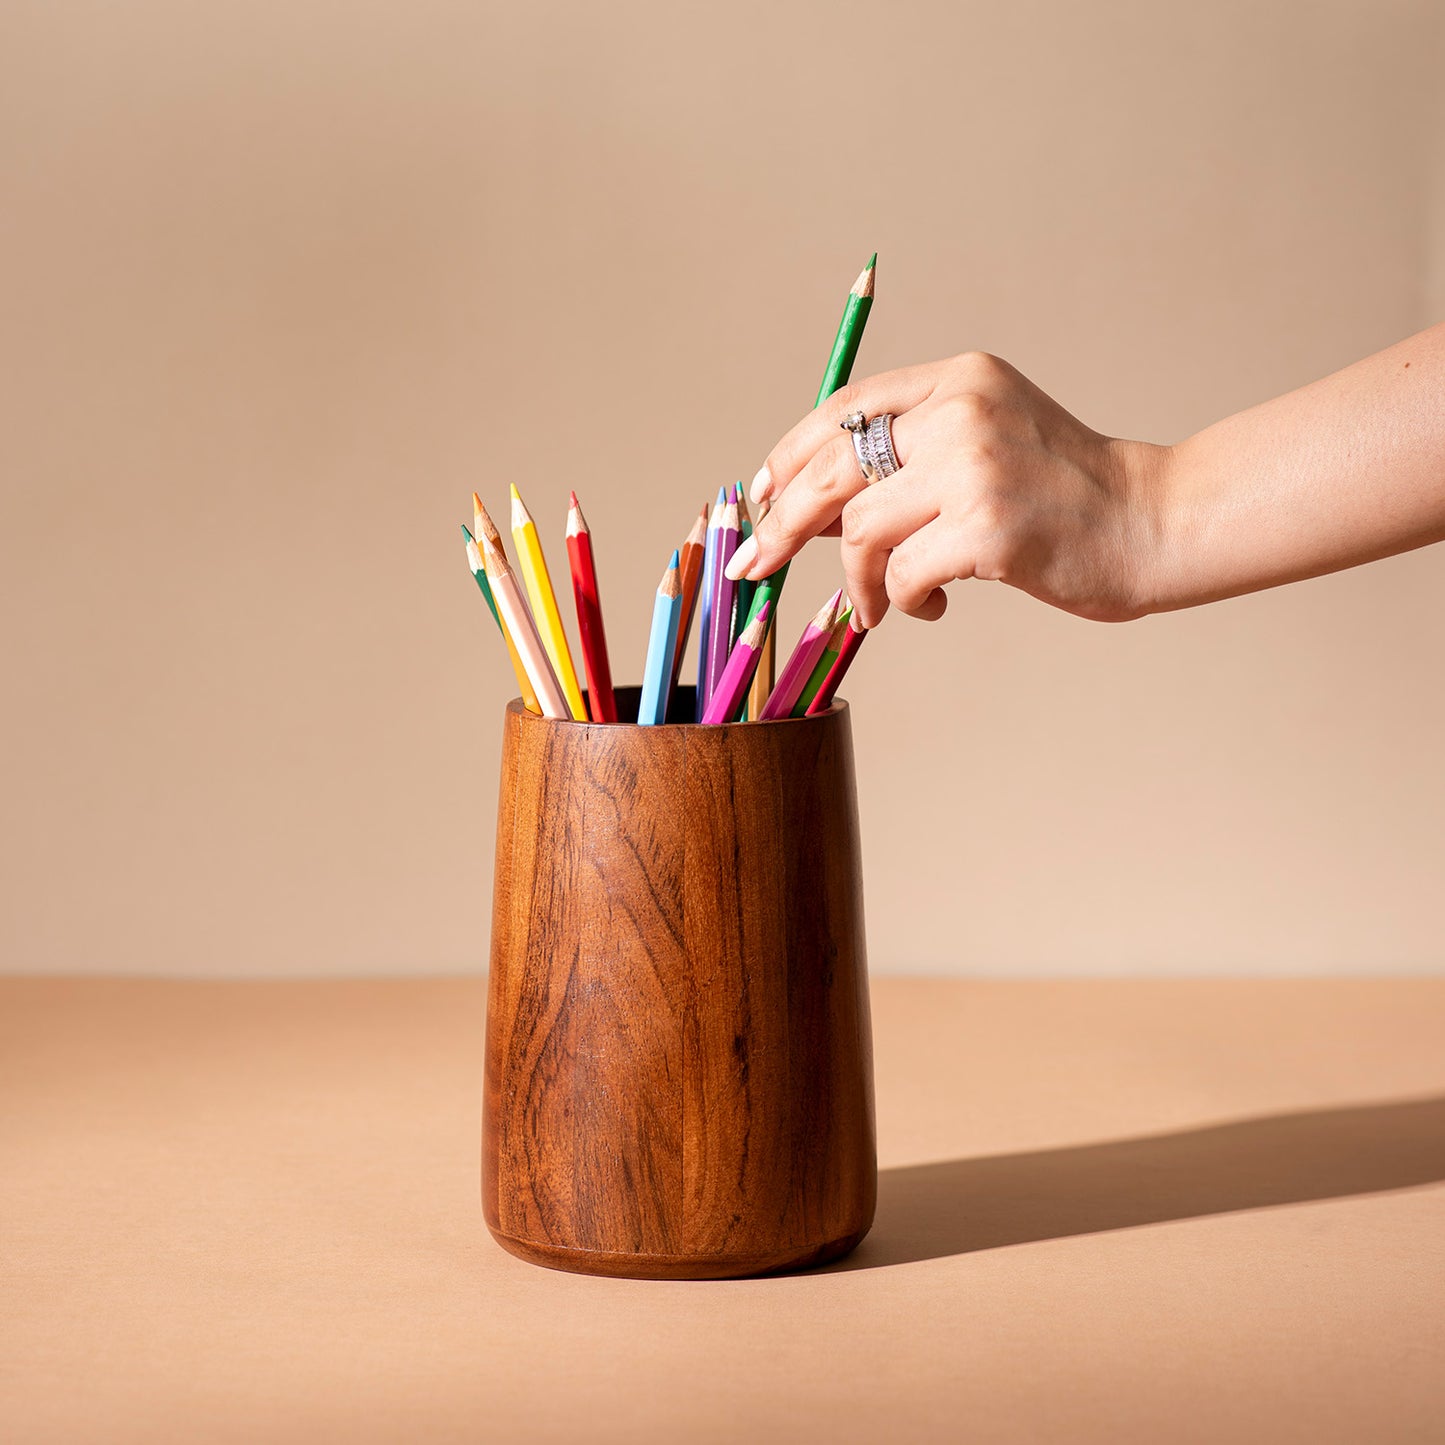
<point>840,368</point>
<point>481,577</point>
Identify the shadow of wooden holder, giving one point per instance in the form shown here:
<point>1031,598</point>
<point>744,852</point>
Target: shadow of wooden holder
<point>679,1062</point>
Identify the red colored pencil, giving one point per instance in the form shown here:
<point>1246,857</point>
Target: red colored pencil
<point>601,704</point>
<point>690,555</point>
<point>823,698</point>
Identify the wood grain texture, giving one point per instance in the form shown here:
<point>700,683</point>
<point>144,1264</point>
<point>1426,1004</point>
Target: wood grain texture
<point>679,1070</point>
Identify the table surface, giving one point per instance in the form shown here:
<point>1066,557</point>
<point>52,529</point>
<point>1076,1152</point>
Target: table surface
<point>1109,1211</point>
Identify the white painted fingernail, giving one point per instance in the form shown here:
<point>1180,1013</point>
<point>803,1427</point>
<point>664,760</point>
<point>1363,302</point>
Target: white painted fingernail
<point>760,485</point>
<point>741,560</point>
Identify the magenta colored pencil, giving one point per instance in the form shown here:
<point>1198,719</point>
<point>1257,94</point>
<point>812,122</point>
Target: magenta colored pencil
<point>799,668</point>
<point>823,698</point>
<point>732,686</point>
<point>724,590</point>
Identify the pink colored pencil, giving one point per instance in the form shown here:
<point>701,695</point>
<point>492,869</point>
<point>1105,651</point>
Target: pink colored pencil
<point>732,686</point>
<point>823,698</point>
<point>799,667</point>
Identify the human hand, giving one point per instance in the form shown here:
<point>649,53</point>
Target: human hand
<point>995,481</point>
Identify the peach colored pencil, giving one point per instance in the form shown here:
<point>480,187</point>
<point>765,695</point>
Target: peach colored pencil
<point>507,592</point>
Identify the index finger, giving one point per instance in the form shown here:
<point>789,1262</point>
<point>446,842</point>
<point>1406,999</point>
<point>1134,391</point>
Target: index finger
<point>891,391</point>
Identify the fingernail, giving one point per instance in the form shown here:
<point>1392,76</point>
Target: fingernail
<point>741,560</point>
<point>760,485</point>
<point>856,622</point>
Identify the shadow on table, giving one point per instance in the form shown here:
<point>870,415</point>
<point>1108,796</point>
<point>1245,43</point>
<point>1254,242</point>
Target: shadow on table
<point>929,1211</point>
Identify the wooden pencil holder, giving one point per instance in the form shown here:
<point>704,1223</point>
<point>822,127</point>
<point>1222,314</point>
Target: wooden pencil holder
<point>679,1059</point>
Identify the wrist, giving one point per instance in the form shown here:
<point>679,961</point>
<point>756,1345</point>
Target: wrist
<point>1146,477</point>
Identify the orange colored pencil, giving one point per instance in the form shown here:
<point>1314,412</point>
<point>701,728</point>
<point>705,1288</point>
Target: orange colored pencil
<point>601,703</point>
<point>690,574</point>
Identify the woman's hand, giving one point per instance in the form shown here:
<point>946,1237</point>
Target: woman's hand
<point>995,481</point>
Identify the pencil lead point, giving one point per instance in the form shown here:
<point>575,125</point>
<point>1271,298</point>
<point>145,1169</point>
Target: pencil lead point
<point>722,497</point>
<point>573,496</point>
<point>467,533</point>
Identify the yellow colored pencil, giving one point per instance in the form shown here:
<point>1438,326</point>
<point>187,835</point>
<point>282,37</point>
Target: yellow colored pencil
<point>544,604</point>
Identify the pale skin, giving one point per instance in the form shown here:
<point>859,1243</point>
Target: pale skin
<point>997,481</point>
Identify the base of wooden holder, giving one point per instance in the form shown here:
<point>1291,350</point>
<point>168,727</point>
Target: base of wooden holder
<point>674,1266</point>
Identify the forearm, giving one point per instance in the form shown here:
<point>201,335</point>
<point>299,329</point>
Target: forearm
<point>1346,470</point>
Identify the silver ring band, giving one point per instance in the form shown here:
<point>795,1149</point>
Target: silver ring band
<point>873,444</point>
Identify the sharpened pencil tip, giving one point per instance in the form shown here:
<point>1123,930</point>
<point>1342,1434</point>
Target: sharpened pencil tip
<point>675,558</point>
<point>872,262</point>
<point>516,495</point>
<point>573,496</point>
<point>467,533</point>
<point>722,497</point>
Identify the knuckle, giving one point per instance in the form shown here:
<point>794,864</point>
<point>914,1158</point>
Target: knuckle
<point>981,367</point>
<point>902,572</point>
<point>857,525</point>
<point>969,410</point>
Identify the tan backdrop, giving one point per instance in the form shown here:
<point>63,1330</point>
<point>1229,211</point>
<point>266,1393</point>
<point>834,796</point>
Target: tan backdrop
<point>282,282</point>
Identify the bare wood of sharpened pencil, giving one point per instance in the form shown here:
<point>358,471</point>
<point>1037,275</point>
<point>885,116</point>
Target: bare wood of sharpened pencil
<point>483,526</point>
<point>528,641</point>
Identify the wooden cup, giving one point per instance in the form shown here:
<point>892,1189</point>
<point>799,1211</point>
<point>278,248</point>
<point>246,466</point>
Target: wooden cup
<point>679,1076</point>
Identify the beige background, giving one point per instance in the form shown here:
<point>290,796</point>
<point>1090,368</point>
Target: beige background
<point>282,282</point>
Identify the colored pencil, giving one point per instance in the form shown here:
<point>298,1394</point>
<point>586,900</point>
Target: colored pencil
<point>601,703</point>
<point>839,369</point>
<point>657,671</point>
<point>743,597</point>
<point>720,635</point>
<point>850,332</point>
<point>479,572</point>
<point>763,677</point>
<point>799,667</point>
<point>690,575</point>
<point>733,684</point>
<point>486,531</point>
<point>709,587</point>
<point>544,604</point>
<point>824,665</point>
<point>852,641</point>
<point>513,607</point>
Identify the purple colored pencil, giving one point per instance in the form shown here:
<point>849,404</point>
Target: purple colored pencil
<point>799,667</point>
<point>720,635</point>
<point>737,676</point>
<point>706,589</point>
<point>823,698</point>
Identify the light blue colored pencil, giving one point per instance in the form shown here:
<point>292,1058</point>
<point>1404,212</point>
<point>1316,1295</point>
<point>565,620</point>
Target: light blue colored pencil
<point>657,673</point>
<point>712,547</point>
